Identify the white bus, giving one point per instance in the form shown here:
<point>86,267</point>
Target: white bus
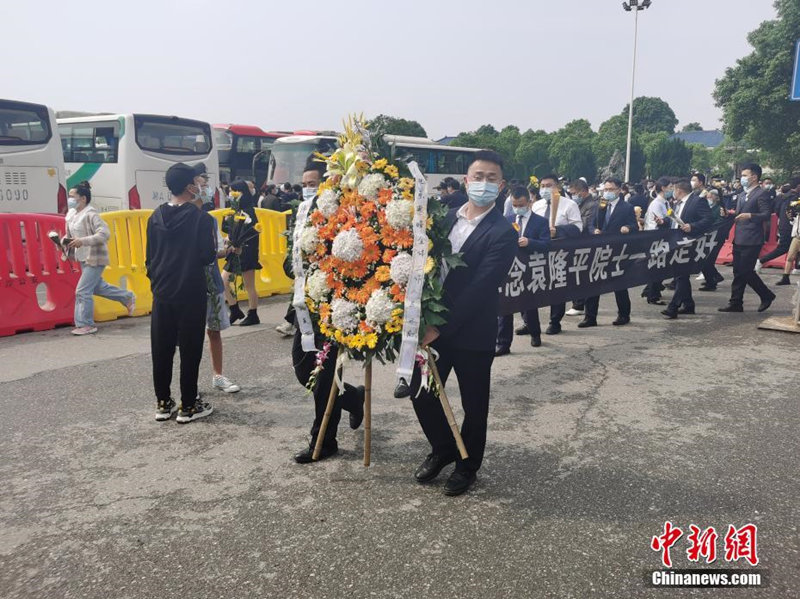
<point>289,156</point>
<point>31,165</point>
<point>125,156</point>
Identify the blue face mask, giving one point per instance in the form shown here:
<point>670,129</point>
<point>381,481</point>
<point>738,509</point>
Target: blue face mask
<point>205,194</point>
<point>668,194</point>
<point>521,210</point>
<point>546,193</point>
<point>72,203</point>
<point>745,182</point>
<point>482,193</point>
<point>609,196</point>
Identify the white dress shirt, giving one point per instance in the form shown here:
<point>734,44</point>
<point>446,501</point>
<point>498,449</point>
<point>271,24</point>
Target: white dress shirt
<point>522,223</point>
<point>568,212</point>
<point>464,227</point>
<point>657,208</point>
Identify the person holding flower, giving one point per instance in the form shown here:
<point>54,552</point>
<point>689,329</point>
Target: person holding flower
<point>244,262</point>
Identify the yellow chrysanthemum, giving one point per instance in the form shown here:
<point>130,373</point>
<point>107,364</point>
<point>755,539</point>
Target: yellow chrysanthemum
<point>380,164</point>
<point>240,218</point>
<point>392,171</point>
<point>372,340</point>
<point>406,183</point>
<point>311,306</point>
<point>258,227</point>
<point>429,223</point>
<point>429,264</point>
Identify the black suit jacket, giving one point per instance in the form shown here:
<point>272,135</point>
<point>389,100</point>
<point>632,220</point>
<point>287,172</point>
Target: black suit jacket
<point>471,291</point>
<point>697,213</point>
<point>622,216</point>
<point>537,232</point>
<point>758,203</point>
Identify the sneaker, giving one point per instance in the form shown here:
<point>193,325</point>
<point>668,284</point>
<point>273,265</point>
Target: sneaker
<point>795,271</point>
<point>165,409</point>
<point>80,331</point>
<point>700,277</point>
<point>759,266</point>
<point>574,312</point>
<point>224,383</point>
<point>199,410</point>
<point>286,329</point>
<point>131,305</point>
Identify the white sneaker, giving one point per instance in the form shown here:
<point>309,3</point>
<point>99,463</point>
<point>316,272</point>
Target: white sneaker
<point>131,305</point>
<point>574,312</point>
<point>796,271</point>
<point>700,277</point>
<point>759,266</point>
<point>80,331</point>
<point>224,383</point>
<point>286,329</point>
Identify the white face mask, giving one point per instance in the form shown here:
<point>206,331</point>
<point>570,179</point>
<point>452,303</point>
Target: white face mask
<point>309,193</point>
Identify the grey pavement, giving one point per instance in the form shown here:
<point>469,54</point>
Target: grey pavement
<point>595,440</point>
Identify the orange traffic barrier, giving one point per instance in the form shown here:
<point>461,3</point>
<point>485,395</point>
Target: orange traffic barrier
<point>726,253</point>
<point>37,287</point>
<point>126,252</point>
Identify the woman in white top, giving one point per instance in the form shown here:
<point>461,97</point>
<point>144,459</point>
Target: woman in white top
<point>87,234</point>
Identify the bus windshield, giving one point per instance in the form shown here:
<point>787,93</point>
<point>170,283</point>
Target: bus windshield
<point>23,124</point>
<point>288,160</point>
<point>171,135</point>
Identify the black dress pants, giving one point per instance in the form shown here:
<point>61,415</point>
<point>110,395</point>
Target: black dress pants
<point>683,294</point>
<point>184,326</point>
<point>473,370</point>
<point>623,305</point>
<point>744,262</point>
<point>350,400</point>
<point>505,327</point>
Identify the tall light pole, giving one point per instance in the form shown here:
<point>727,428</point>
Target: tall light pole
<point>633,6</point>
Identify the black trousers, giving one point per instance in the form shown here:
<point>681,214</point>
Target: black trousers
<point>683,294</point>
<point>184,326</point>
<point>557,312</point>
<point>709,270</point>
<point>350,400</point>
<point>505,327</point>
<point>623,305</point>
<point>783,247</point>
<point>744,263</point>
<point>473,370</point>
<point>578,304</point>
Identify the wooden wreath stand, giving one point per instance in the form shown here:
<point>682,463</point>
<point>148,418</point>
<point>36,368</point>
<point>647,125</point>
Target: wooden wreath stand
<point>448,410</point>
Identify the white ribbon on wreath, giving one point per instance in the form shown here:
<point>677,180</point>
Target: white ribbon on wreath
<point>299,300</point>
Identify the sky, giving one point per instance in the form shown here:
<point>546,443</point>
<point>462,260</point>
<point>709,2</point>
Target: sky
<point>452,65</point>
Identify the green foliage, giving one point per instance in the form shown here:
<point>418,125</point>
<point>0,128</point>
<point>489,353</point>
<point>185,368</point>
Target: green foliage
<point>571,150</point>
<point>726,157</point>
<point>692,127</point>
<point>754,94</point>
<point>396,126</point>
<point>701,158</point>
<point>670,158</point>
<point>613,137</point>
<point>533,153</point>
<point>651,115</point>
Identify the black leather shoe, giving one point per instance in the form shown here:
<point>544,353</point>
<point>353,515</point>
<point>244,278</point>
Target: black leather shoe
<point>586,323</point>
<point>431,467</point>
<point>765,304</point>
<point>720,278</point>
<point>707,288</point>
<point>459,482</point>
<point>669,314</point>
<point>731,308</point>
<point>358,416</point>
<point>536,341</point>
<point>251,319</point>
<point>657,302</point>
<point>552,329</point>
<point>685,310</point>
<point>621,321</point>
<point>501,351</point>
<point>304,457</point>
<point>236,313</point>
<point>523,330</point>
<point>784,280</point>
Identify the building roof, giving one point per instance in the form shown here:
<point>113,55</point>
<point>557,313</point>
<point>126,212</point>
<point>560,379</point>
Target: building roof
<point>445,141</point>
<point>709,139</point>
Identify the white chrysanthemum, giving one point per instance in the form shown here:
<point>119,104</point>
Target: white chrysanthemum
<point>379,308</point>
<point>308,240</point>
<point>400,268</point>
<point>400,214</point>
<point>317,286</point>
<point>328,203</point>
<point>371,185</point>
<point>344,315</point>
<point>347,245</point>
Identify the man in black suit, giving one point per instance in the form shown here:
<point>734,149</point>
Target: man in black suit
<point>466,343</point>
<point>753,209</point>
<point>455,196</point>
<point>613,215</point>
<point>534,236</point>
<point>693,210</point>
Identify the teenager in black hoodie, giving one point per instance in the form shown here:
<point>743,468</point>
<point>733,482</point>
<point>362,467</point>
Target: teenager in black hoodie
<point>180,243</point>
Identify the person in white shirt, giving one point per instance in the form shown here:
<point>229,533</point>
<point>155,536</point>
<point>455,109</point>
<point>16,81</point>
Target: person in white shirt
<point>656,218</point>
<point>567,223</point>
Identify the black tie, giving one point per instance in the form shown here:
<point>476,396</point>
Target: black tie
<point>547,211</point>
<point>519,224</point>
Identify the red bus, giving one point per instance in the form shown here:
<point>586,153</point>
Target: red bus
<point>244,151</point>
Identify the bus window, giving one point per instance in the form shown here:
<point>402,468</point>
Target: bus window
<point>167,135</point>
<point>452,162</point>
<point>90,142</point>
<point>23,126</point>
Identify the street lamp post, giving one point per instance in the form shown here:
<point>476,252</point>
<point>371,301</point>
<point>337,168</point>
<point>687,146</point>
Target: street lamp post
<point>633,6</point>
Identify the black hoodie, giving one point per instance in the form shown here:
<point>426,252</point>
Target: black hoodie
<point>180,244</point>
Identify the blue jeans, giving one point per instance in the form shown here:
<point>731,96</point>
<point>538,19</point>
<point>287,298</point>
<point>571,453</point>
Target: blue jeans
<point>90,284</point>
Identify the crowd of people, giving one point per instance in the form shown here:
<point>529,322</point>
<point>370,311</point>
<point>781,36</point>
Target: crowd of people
<point>492,221</point>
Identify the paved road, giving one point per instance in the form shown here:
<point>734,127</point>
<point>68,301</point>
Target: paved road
<point>595,440</point>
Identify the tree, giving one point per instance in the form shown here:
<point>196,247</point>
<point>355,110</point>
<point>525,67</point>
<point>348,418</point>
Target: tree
<point>612,136</point>
<point>727,157</point>
<point>651,115</point>
<point>571,150</point>
<point>701,158</point>
<point>692,127</point>
<point>533,153</point>
<point>650,141</point>
<point>753,93</point>
<point>396,126</point>
<point>670,158</point>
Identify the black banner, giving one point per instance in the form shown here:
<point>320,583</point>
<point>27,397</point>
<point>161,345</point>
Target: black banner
<point>583,267</point>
